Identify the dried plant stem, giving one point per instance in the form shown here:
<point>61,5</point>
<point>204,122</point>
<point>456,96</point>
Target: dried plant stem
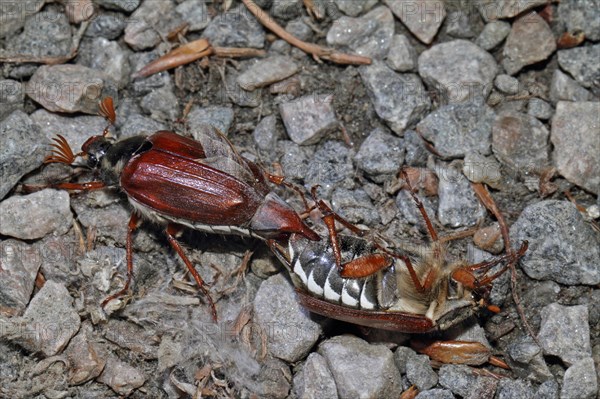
<point>317,51</point>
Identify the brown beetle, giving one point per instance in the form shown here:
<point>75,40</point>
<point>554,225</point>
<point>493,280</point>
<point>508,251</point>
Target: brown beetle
<point>176,181</point>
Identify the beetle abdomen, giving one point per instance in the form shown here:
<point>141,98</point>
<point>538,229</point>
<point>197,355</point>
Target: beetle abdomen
<point>314,265</point>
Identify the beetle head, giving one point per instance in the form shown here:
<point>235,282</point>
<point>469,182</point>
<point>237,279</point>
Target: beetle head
<point>95,148</point>
<point>275,219</point>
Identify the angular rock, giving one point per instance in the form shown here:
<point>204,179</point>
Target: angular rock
<point>507,84</point>
<point>315,380</point>
<point>369,36</point>
<point>354,8</point>
<point>565,332</point>
<point>45,34</point>
<point>480,169</point>
<point>380,155</point>
<point>161,104</point>
<point>435,394</point>
<point>13,19</point>
<point>22,149</point>
<point>575,133</point>
<point>530,40</point>
<point>458,129</point>
<point>355,206</point>
<point>579,62</point>
<point>137,124</point>
<point>11,97</point>
<point>498,9</point>
<point>402,56</point>
<point>107,56</point>
<point>213,115</point>
<point>422,17</point>
<point>109,26</point>
<point>195,13</point>
<point>300,29</point>
<point>48,323</point>
<point>121,377</point>
<point>265,134</point>
<point>235,28</point>
<point>458,205</point>
<point>562,87</point>
<point>70,88</point>
<point>493,34</point>
<point>460,379</point>
<point>580,381</point>
<point>399,99</point>
<point>539,109</point>
<point>291,333</point>
<point>36,215</point>
<point>420,373</point>
<point>520,141</point>
<point>514,389</point>
<point>308,119</point>
<point>20,265</point>
<point>119,5</point>
<point>267,71</point>
<point>562,247</point>
<point>330,166</point>
<point>149,22</point>
<point>458,70</point>
<point>84,356</point>
<point>581,16</point>
<point>361,369</point>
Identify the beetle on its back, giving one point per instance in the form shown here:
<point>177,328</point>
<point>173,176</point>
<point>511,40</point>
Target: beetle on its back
<point>176,181</point>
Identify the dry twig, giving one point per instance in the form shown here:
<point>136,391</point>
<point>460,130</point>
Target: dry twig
<point>317,51</point>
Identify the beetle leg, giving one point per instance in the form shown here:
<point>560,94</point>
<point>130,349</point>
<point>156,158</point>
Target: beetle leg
<point>133,224</point>
<point>420,206</point>
<point>171,231</point>
<point>87,186</point>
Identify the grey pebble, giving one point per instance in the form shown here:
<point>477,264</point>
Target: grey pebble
<point>267,71</point>
<point>70,88</point>
<point>458,70</point>
<point>458,23</point>
<point>435,394</point>
<point>402,56</point>
<point>45,34</point>
<point>354,8</point>
<point>119,5</point>
<point>399,99</point>
<point>575,132</point>
<point>300,29</point>
<point>458,378</point>
<point>548,390</point>
<point>580,381</point>
<point>12,96</point>
<point>458,129</point>
<point>499,9</point>
<point>369,35</point>
<point>514,389</point>
<point>212,115</point>
<point>291,333</point>
<point>330,167</point>
<point>581,15</point>
<point>121,377</point>
<point>107,25</point>
<point>235,28</point>
<point>480,169</point>
<point>21,149</point>
<point>48,323</point>
<point>136,124</point>
<point>520,141</point>
<point>530,40</point>
<point>424,25</point>
<point>355,206</point>
<point>539,109</point>
<point>563,87</point>
<point>13,21</point>
<point>381,155</point>
<point>84,355</point>
<point>315,380</point>
<point>420,372</point>
<point>458,205</point>
<point>416,152</point>
<point>579,62</point>
<point>75,129</point>
<point>493,34</point>
<point>149,22</point>
<point>557,236</point>
<point>507,84</point>
<point>565,332</point>
<point>308,119</point>
<point>401,356</point>
<point>407,207</point>
<point>266,134</point>
<point>107,56</point>
<point>20,265</point>
<point>195,13</point>
<point>36,215</point>
<point>161,104</point>
<point>361,369</point>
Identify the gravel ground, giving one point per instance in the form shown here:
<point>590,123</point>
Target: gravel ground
<point>503,92</point>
